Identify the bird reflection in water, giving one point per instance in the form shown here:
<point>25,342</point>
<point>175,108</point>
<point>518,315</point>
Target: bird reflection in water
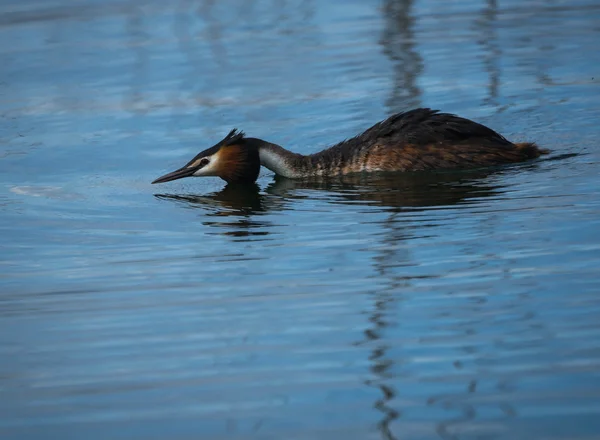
<point>241,206</point>
<point>242,202</point>
<point>396,192</point>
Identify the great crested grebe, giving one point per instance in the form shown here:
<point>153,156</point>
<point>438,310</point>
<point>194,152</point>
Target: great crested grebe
<point>420,139</point>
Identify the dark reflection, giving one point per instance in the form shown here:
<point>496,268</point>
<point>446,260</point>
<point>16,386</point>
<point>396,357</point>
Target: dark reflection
<point>397,191</point>
<point>231,200</point>
<point>236,207</point>
<point>240,202</point>
<point>382,315</point>
<point>486,25</point>
<point>380,363</point>
<point>398,43</point>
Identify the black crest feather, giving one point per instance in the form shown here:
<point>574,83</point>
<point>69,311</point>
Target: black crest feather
<point>233,137</point>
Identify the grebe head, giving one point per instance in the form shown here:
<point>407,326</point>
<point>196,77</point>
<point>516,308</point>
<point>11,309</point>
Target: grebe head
<point>235,159</point>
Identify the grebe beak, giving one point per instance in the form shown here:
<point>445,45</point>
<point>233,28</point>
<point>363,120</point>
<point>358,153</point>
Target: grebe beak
<point>177,174</point>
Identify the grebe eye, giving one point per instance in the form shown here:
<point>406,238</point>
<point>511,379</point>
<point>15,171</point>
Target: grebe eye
<point>203,162</point>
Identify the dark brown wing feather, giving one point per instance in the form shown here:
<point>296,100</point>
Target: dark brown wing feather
<point>426,126</point>
<point>427,139</point>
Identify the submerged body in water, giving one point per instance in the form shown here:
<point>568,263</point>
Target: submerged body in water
<point>416,140</point>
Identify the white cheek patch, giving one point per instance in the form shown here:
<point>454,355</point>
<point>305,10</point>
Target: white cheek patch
<point>209,169</point>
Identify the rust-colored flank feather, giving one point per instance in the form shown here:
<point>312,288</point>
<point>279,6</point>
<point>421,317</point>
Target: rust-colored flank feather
<point>416,140</point>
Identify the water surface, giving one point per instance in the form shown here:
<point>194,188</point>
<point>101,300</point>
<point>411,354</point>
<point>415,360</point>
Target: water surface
<point>432,305</point>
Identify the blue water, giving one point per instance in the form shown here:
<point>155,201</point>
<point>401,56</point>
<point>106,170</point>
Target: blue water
<point>454,306</point>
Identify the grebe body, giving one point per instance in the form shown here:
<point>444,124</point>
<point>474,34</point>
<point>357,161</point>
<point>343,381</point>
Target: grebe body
<point>416,140</point>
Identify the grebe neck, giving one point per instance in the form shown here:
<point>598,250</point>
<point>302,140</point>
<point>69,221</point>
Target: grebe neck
<point>284,162</point>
